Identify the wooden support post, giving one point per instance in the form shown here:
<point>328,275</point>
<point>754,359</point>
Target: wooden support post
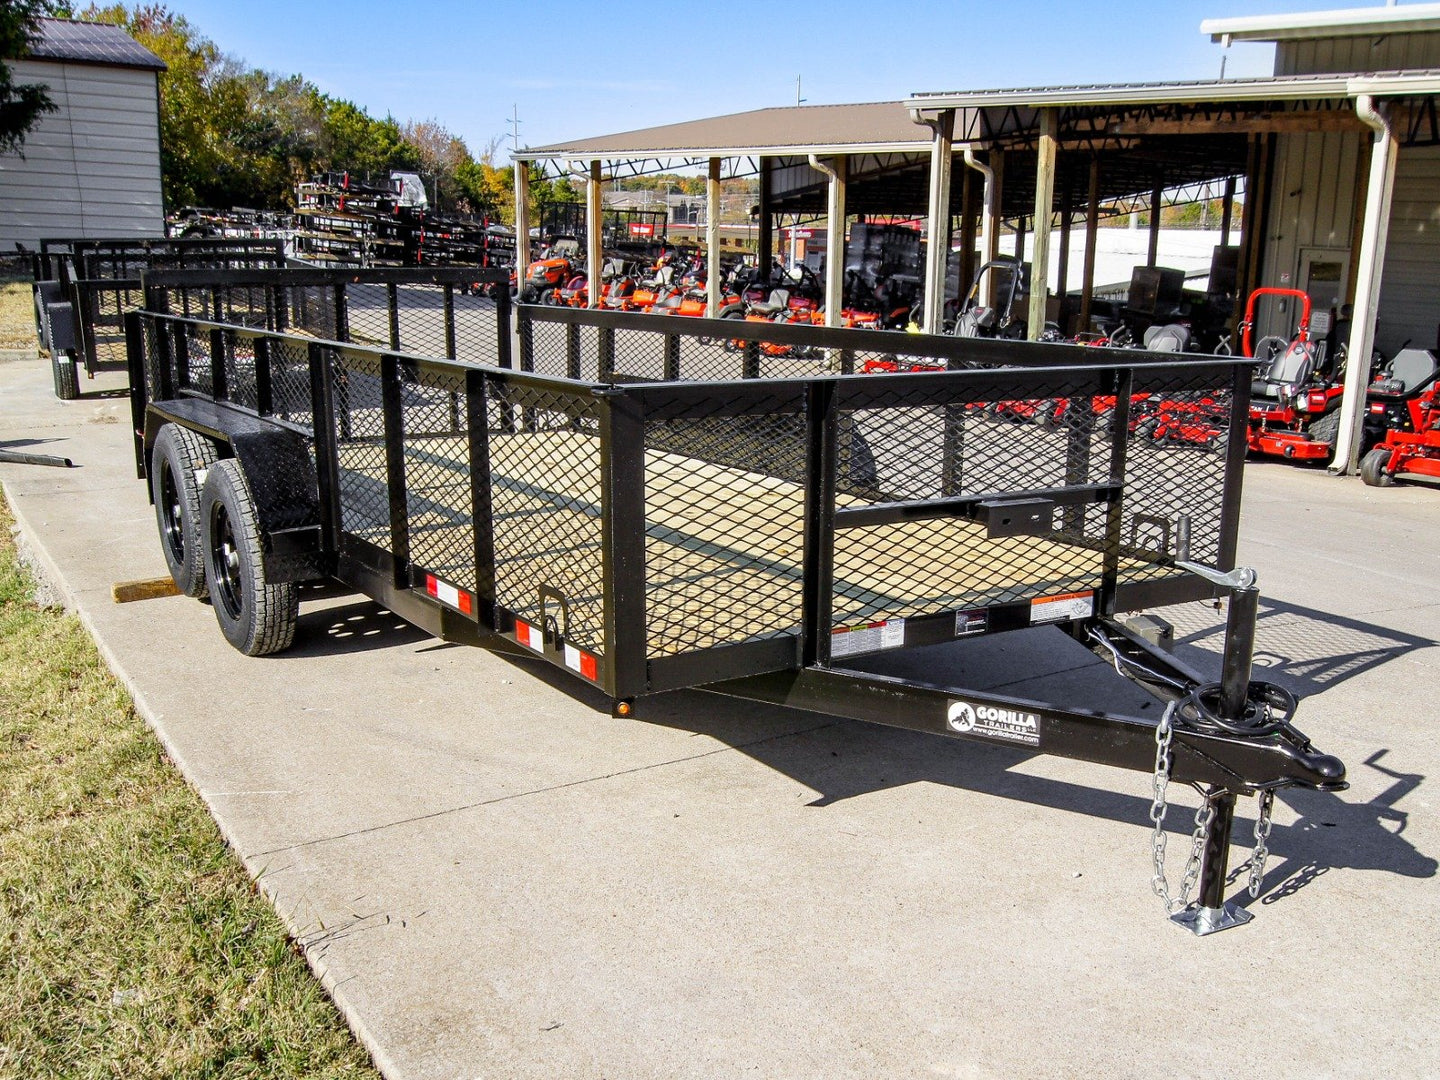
<point>1092,227</point>
<point>712,240</point>
<point>1156,193</point>
<point>1227,211</point>
<point>522,220</point>
<point>970,187</point>
<point>942,151</point>
<point>765,242</point>
<point>1044,200</point>
<point>835,242</point>
<point>1370,260</point>
<point>1062,268</point>
<point>594,226</point>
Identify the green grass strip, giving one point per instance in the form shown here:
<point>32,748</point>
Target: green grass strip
<point>132,942</point>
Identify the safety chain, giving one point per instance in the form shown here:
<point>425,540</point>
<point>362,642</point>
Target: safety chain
<point>1159,884</point>
<point>1266,804</point>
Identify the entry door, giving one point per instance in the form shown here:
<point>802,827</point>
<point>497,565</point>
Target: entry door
<point>1324,274</point>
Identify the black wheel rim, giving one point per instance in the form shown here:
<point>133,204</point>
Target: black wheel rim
<point>225,562</point>
<point>172,518</point>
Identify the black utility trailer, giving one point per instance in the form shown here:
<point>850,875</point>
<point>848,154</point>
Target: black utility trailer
<point>84,288</point>
<point>651,504</point>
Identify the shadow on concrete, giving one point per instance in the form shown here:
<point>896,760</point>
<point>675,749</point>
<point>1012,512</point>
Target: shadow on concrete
<point>347,628</point>
<point>842,759</point>
<point>1302,649</point>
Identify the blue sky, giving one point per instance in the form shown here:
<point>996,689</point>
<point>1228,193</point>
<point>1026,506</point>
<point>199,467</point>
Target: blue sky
<point>576,70</point>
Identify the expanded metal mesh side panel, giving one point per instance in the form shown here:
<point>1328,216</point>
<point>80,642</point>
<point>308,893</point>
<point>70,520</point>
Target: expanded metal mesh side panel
<point>420,316</point>
<point>561,349</point>
<point>240,378</point>
<point>546,499</point>
<point>103,311</point>
<point>192,359</point>
<point>724,529</point>
<point>1175,467</point>
<point>971,446</point>
<point>367,316</point>
<point>290,392</point>
<point>477,327</point>
<point>311,310</point>
<point>153,359</point>
<point>438,475</point>
<point>359,434</point>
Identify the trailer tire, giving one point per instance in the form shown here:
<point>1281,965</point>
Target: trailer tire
<point>67,379</point>
<point>179,457</point>
<point>1372,468</point>
<point>256,617</point>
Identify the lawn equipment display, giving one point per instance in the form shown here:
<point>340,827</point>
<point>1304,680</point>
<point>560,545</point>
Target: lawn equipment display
<point>1402,417</point>
<point>1295,396</point>
<point>1007,281</point>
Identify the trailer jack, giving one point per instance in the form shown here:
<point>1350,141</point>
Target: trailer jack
<point>1239,708</point>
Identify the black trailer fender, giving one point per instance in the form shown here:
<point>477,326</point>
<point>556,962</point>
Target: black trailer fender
<point>281,474</point>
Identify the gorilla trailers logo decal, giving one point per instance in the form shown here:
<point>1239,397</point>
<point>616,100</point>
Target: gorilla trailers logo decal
<point>993,722</point>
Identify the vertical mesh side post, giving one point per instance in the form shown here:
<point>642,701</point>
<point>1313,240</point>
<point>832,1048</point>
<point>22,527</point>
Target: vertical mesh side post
<point>449,303</point>
<point>392,413</point>
<point>1234,464</point>
<point>1115,502</point>
<point>527,341</point>
<point>750,366</point>
<point>572,350</point>
<point>503,312</point>
<point>327,461</point>
<point>135,363</point>
<point>607,353</point>
<point>821,463</point>
<point>392,307</point>
<point>1080,432</point>
<point>672,357</point>
<point>264,395</point>
<point>217,365</point>
<point>342,314</point>
<point>622,533</point>
<point>165,359</point>
<point>481,504</point>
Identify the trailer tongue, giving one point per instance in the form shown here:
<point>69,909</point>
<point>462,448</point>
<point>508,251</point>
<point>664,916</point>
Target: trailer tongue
<point>651,504</point>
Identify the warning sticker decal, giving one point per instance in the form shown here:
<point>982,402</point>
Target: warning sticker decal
<point>971,622</point>
<point>1076,605</point>
<point>994,722</point>
<point>867,637</point>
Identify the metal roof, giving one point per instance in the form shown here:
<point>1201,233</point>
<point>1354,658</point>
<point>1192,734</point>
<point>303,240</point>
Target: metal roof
<point>794,129</point>
<point>1348,22</point>
<point>74,42</point>
<point>1266,88</point>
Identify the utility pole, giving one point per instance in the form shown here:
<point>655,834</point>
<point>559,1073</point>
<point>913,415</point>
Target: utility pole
<point>798,99</point>
<point>514,123</point>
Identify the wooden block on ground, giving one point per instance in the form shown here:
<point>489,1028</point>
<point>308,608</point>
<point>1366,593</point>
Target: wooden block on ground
<point>125,592</point>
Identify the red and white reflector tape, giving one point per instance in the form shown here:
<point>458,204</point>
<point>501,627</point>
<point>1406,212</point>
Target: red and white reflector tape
<point>583,662</point>
<point>450,595</point>
<point>529,636</point>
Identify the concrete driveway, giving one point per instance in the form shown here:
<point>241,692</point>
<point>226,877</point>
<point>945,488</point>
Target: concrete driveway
<point>496,879</point>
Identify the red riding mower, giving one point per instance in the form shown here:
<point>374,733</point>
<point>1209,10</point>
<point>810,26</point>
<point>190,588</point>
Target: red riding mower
<point>546,275</point>
<point>1405,403</point>
<point>1295,397</point>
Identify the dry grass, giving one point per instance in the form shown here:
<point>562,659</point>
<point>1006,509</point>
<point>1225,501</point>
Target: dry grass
<point>17,316</point>
<point>132,942</point>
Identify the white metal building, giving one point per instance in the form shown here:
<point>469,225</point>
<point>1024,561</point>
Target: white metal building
<point>92,167</point>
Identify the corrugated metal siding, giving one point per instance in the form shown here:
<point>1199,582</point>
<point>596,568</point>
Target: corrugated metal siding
<point>92,168</point>
<point>1410,286</point>
<point>1312,205</point>
<point>1389,53</point>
